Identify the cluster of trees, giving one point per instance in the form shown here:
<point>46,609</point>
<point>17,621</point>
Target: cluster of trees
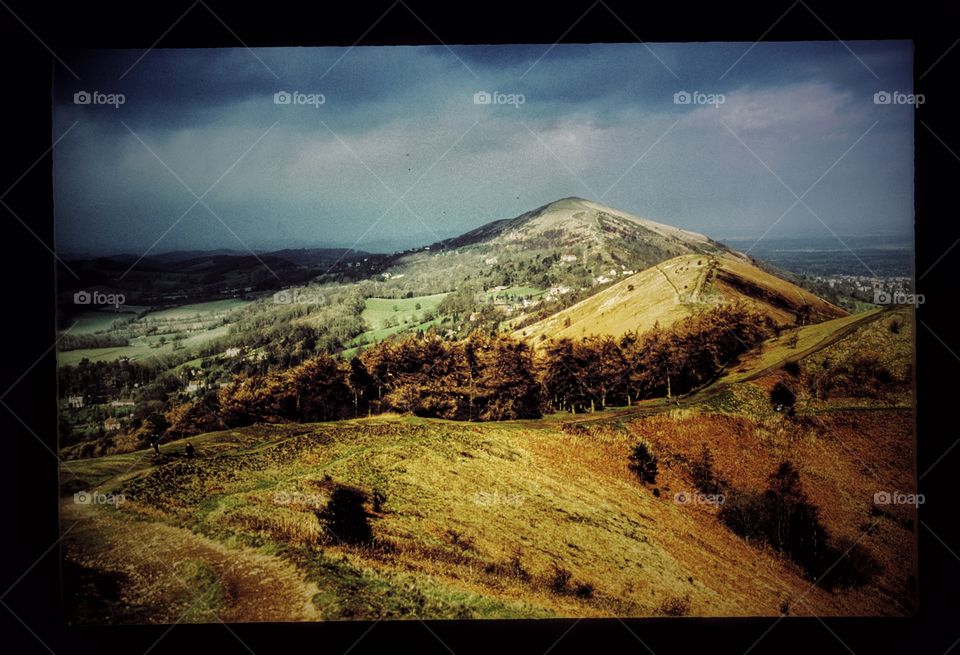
<point>290,334</point>
<point>313,391</point>
<point>784,518</point>
<point>479,378</point>
<point>598,371</point>
<point>484,377</point>
<point>861,375</point>
<point>98,381</point>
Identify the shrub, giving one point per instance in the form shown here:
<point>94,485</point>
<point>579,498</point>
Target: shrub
<point>675,606</point>
<point>846,565</point>
<point>644,463</point>
<point>784,518</point>
<point>559,580</point>
<point>781,394</point>
<point>378,499</point>
<point>704,477</point>
<point>346,517</point>
<point>459,540</point>
<point>583,590</point>
<point>743,513</point>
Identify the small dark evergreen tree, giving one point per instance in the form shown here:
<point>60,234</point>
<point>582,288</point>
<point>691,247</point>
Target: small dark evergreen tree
<point>644,463</point>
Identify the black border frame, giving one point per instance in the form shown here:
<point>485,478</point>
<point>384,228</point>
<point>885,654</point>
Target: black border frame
<point>31,614</point>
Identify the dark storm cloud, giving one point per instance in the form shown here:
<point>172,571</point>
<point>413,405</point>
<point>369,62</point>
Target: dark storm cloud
<point>398,149</point>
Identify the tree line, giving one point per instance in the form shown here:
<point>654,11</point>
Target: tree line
<point>484,377</point>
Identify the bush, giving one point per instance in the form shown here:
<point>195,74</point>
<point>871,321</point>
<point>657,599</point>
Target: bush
<point>346,517</point>
<point>704,477</point>
<point>643,463</point>
<point>675,606</point>
<point>784,518</point>
<point>379,500</point>
<point>743,513</point>
<point>560,580</point>
<point>852,566</point>
<point>583,590</point>
<point>793,369</point>
<point>781,394</point>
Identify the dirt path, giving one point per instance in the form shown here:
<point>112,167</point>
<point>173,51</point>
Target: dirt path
<point>658,405</point>
<point>157,566</point>
<point>834,337</point>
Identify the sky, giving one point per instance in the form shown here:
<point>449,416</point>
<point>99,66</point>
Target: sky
<point>382,148</point>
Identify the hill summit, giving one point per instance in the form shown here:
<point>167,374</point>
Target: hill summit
<point>589,228</point>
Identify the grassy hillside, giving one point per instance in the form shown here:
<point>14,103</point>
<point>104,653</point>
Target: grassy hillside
<point>675,289</point>
<point>636,303</point>
<point>570,242</point>
<point>515,519</point>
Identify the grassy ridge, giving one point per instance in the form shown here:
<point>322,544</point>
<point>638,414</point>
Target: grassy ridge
<point>523,518</point>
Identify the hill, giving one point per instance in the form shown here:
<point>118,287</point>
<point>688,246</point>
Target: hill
<point>677,288</point>
<point>578,223</point>
<point>529,519</point>
<point>569,242</point>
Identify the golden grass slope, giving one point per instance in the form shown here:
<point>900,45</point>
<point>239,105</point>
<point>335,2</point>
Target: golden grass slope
<point>477,518</point>
<point>678,288</point>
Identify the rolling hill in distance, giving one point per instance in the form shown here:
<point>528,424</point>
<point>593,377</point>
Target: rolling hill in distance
<point>580,239</point>
<point>570,242</point>
<point>676,289</point>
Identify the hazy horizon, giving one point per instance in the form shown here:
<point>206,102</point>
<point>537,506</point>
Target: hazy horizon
<point>395,150</point>
<point>386,247</point>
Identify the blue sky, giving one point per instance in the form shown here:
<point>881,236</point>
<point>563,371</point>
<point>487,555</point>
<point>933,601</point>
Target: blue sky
<point>399,152</point>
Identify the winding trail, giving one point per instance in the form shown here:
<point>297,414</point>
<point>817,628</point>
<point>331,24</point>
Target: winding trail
<point>713,389</point>
<point>149,558</point>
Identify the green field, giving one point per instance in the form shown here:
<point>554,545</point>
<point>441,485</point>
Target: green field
<point>139,349</point>
<point>378,310</point>
<point>92,321</point>
<point>202,309</point>
<point>175,320</point>
<point>517,293</point>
